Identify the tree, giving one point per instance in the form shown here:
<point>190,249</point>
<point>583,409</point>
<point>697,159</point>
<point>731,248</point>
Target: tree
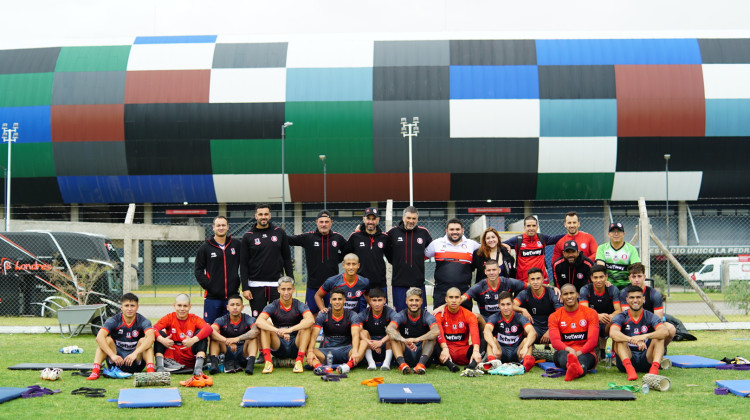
<point>738,295</point>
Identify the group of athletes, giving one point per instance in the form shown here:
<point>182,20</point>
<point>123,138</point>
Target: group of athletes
<point>345,320</point>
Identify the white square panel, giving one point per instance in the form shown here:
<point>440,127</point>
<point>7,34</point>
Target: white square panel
<point>494,118</point>
<point>252,188</point>
<point>577,154</point>
<point>248,85</point>
<point>726,81</point>
<point>330,53</point>
<point>632,185</point>
<point>171,56</point>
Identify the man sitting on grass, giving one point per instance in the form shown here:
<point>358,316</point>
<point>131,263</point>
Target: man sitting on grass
<point>510,336</point>
<point>457,325</point>
<point>537,303</point>
<point>339,340</point>
<point>235,336</point>
<point>125,341</point>
<point>183,337</point>
<point>413,332</point>
<point>285,327</point>
<point>574,333</point>
<point>605,300</point>
<point>639,337</point>
<point>370,324</point>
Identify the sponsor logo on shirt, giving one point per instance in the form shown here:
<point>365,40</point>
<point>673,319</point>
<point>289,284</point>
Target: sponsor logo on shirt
<point>316,243</point>
<point>454,337</point>
<point>574,336</point>
<point>213,255</point>
<point>361,244</point>
<point>531,253</point>
<point>400,239</point>
<point>257,241</point>
<point>265,236</point>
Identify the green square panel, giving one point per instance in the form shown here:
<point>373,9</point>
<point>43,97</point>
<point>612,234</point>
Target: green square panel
<point>340,130</point>
<point>575,186</point>
<point>257,156</point>
<point>28,89</point>
<point>29,160</point>
<point>113,58</point>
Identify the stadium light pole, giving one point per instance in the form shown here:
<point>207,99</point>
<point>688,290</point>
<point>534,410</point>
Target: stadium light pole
<point>10,135</point>
<point>325,191</point>
<point>666,173</point>
<point>283,175</point>
<point>410,130</point>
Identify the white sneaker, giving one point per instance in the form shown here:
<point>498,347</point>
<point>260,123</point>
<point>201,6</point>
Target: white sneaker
<point>45,373</point>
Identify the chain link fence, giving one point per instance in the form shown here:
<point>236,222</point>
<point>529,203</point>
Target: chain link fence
<point>699,235</point>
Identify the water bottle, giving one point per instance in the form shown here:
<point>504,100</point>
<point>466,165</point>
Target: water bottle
<point>644,389</point>
<point>221,363</point>
<point>609,355</point>
<point>329,359</point>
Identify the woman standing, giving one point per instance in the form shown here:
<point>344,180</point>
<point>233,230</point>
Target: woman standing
<point>490,249</point>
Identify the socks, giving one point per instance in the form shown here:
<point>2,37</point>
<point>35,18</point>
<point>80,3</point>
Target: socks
<point>370,359</point>
<point>315,366</point>
<point>350,363</point>
<point>400,360</point>
<point>266,355</point>
<point>491,358</point>
<point>300,356</point>
<point>574,369</point>
<point>388,357</point>
<point>424,358</point>
<point>451,366</point>
<point>97,368</point>
<point>472,365</point>
<point>160,362</point>
<point>528,362</point>
<point>149,367</point>
<point>250,365</point>
<point>629,369</point>
<point>198,370</point>
<point>654,368</point>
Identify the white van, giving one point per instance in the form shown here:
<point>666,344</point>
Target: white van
<point>710,273</point>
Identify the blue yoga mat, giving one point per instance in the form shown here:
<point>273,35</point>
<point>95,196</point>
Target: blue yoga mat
<point>263,396</point>
<point>7,394</point>
<point>740,387</point>
<point>408,393</point>
<point>692,361</point>
<point>149,397</point>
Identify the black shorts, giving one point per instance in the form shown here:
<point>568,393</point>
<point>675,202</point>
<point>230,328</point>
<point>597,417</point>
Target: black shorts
<point>340,354</point>
<point>287,348</point>
<point>379,357</point>
<point>137,366</point>
<point>587,360</point>
<point>603,331</point>
<point>510,353</point>
<point>540,331</point>
<point>412,357</point>
<point>638,359</point>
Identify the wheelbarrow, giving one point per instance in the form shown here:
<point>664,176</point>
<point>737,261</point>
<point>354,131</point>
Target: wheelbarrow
<point>81,316</point>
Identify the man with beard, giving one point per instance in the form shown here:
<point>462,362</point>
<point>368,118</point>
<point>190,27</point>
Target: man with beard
<point>605,300</point>
<point>574,332</point>
<point>537,303</point>
<point>413,332</point>
<point>572,268</point>
<point>216,269</point>
<point>453,255</point>
<point>530,249</point>
<point>586,243</point>
<point>370,244</point>
<point>407,245</point>
<point>264,258</point>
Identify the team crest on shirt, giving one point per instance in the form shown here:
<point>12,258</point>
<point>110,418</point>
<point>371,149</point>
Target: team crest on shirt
<point>334,243</point>
<point>644,329</point>
<point>129,335</point>
<point>233,252</point>
<point>419,241</point>
<point>257,241</point>
<point>573,325</point>
<point>182,335</point>
<point>274,238</point>
<point>538,243</point>
<point>583,246</point>
<point>460,324</point>
<point>624,256</point>
<point>582,323</point>
<point>190,333</point>
<point>454,326</point>
<point>514,328</point>
<point>579,275</point>
<point>380,245</point>
<point>135,334</point>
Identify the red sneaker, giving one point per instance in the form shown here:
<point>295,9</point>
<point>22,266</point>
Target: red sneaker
<point>404,368</point>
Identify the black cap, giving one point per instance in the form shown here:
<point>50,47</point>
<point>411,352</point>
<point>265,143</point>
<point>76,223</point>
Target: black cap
<point>324,213</point>
<point>570,245</point>
<point>616,225</point>
<point>372,211</point>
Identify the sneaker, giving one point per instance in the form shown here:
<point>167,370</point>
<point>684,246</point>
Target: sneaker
<point>373,367</point>
<point>170,365</point>
<point>342,369</point>
<point>230,366</point>
<point>322,370</point>
<point>194,381</point>
<point>404,368</point>
<point>161,369</point>
<point>249,368</point>
<point>115,373</point>
<point>214,367</point>
<point>268,368</point>
<point>385,367</point>
<point>45,374</point>
<point>209,381</point>
<point>298,367</point>
<point>419,369</point>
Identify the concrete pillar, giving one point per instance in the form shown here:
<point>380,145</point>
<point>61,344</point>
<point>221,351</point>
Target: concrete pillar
<point>148,252</point>
<point>74,215</point>
<point>528,208</point>
<point>450,210</point>
<point>605,217</point>
<point>222,210</point>
<point>682,223</point>
<point>298,262</point>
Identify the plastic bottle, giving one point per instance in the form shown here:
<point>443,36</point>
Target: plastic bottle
<point>608,355</point>
<point>644,389</point>
<point>221,363</point>
<point>329,359</point>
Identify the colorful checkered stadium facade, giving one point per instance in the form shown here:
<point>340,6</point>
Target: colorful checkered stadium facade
<point>172,119</point>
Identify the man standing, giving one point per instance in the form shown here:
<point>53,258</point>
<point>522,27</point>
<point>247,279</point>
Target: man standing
<point>264,258</point>
<point>125,340</point>
<point>370,244</point>
<point>370,324</point>
<point>617,255</point>
<point>586,243</point>
<point>413,332</point>
<point>639,337</point>
<point>573,331</point>
<point>216,269</point>
<point>510,335</point>
<point>605,300</point>
<point>287,334</point>
<point>652,299</point>
<point>339,339</point>
<point>236,338</point>
<point>457,325</point>
<point>530,248</point>
<point>183,337</point>
<point>406,254</point>
<point>323,253</point>
<point>355,287</point>
<point>537,303</point>
<point>572,268</point>
<point>453,255</point>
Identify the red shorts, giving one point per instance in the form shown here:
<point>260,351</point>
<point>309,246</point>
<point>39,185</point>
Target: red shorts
<point>459,353</point>
<point>182,355</point>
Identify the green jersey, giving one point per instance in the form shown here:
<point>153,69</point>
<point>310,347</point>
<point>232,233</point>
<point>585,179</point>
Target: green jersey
<point>617,261</point>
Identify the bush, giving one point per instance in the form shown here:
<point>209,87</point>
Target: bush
<point>738,295</point>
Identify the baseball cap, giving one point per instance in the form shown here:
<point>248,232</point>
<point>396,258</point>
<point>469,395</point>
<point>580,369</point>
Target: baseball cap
<point>372,211</point>
<point>570,245</point>
<point>616,225</point>
<point>324,213</point>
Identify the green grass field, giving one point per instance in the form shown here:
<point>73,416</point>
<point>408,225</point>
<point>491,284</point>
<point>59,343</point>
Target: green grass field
<point>691,395</point>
